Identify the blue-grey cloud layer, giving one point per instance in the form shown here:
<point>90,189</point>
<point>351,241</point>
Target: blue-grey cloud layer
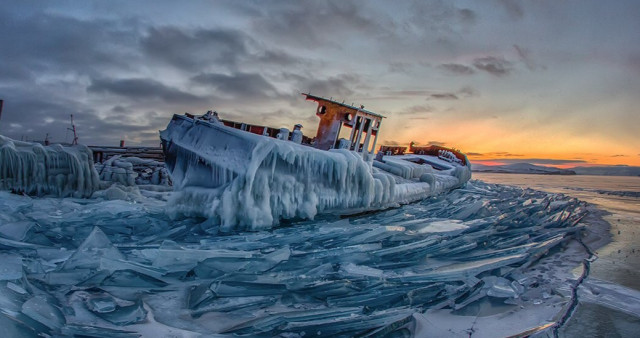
<point>122,68</point>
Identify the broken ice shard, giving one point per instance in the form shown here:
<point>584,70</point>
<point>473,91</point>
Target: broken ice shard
<point>123,315</point>
<point>88,254</point>
<point>10,267</point>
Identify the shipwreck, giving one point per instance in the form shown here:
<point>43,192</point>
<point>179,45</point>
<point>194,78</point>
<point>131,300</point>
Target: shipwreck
<point>254,176</point>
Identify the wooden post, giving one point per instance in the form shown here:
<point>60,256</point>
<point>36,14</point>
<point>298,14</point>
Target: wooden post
<point>363,121</point>
<point>375,139</point>
<point>354,121</point>
<point>365,145</point>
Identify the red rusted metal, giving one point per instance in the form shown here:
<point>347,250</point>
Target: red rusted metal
<point>393,150</point>
<point>333,115</point>
<point>433,151</point>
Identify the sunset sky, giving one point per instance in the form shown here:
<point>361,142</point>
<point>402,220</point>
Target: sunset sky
<point>545,82</point>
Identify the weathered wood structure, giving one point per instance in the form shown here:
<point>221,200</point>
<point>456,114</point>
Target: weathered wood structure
<point>335,115</point>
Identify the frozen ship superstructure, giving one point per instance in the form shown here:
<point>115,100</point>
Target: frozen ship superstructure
<point>254,176</point>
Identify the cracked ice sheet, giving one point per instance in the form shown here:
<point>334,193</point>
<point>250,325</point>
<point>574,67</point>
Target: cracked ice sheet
<point>310,276</point>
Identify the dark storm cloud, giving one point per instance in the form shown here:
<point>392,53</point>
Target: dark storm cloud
<point>316,24</point>
<point>34,117</point>
<point>38,42</point>
<point>238,84</point>
<point>211,49</point>
<point>457,68</point>
<point>141,89</point>
<point>280,58</point>
<point>497,66</point>
<point>195,49</point>
<point>41,45</point>
<point>339,87</point>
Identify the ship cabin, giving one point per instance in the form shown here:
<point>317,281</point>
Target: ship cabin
<point>335,115</point>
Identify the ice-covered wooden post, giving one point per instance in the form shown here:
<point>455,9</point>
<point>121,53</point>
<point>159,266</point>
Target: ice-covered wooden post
<point>334,115</point>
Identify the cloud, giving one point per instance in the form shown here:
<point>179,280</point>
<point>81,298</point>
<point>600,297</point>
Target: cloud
<point>278,57</point>
<point>536,161</point>
<point>501,154</point>
<point>497,66</point>
<point>418,109</point>
<point>512,8</point>
<point>468,91</point>
<point>436,143</point>
<point>525,57</point>
<point>194,49</point>
<point>391,143</point>
<point>400,67</point>
<point>618,155</point>
<point>443,96</point>
<point>36,42</point>
<point>140,88</point>
<point>464,92</point>
<point>238,84</point>
<point>466,15</point>
<point>339,87</point>
<point>457,68</point>
<point>441,19</point>
<point>316,24</point>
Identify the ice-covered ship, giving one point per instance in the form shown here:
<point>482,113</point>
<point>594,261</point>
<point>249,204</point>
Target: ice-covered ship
<point>253,176</point>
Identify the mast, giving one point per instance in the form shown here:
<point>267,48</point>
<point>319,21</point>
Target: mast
<point>73,128</point>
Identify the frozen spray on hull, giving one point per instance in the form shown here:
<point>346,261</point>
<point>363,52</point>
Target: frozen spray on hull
<point>34,169</point>
<point>251,181</point>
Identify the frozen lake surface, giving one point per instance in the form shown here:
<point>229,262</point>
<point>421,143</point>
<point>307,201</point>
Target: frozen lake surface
<point>618,262</point>
<point>485,260</point>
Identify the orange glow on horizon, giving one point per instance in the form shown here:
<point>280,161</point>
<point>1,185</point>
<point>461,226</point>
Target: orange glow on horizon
<point>492,141</point>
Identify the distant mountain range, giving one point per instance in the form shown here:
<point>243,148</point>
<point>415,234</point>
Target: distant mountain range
<point>528,168</point>
<point>521,168</point>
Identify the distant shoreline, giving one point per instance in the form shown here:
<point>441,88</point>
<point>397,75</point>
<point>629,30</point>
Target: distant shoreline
<point>560,173</point>
<point>549,173</point>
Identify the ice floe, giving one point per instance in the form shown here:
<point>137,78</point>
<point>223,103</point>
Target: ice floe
<point>123,268</point>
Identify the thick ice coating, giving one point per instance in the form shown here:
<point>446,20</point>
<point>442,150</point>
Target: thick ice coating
<point>112,268</point>
<point>42,170</point>
<point>239,178</point>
